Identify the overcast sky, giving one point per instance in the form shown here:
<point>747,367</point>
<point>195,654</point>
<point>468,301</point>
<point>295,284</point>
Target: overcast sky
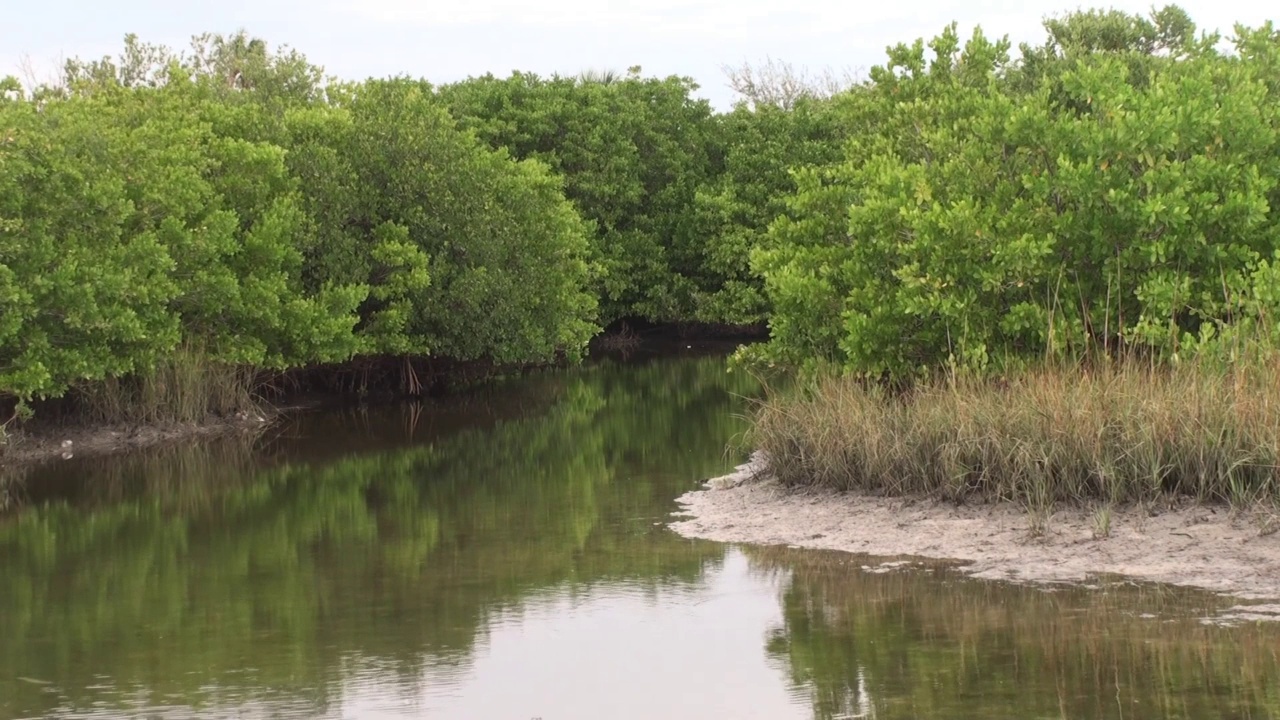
<point>445,41</point>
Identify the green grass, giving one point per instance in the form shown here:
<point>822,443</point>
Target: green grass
<point>1117,432</point>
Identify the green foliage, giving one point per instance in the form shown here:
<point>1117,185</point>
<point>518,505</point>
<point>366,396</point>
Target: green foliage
<point>130,226</point>
<point>986,213</point>
<point>469,254</point>
<point>679,197</point>
<point>1111,186</point>
<point>633,152</point>
<point>762,149</point>
<point>231,65</point>
<point>1140,43</point>
<point>81,297</point>
<point>229,204</point>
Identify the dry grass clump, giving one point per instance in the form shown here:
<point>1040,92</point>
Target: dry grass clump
<point>183,387</point>
<point>1119,432</point>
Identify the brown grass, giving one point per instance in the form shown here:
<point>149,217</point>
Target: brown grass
<point>185,387</point>
<point>1123,431</point>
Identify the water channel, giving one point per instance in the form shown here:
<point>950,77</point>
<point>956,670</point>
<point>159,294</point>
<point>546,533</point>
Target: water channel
<point>502,554</point>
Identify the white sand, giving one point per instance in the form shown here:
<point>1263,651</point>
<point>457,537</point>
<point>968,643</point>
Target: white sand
<point>1204,547</point>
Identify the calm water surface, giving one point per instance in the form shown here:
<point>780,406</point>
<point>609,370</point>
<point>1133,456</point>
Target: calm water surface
<point>503,555</point>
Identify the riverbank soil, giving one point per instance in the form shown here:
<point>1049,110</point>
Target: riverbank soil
<point>49,443</point>
<point>1192,545</point>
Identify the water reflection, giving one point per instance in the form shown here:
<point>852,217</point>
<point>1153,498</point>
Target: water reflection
<point>502,554</point>
<point>923,641</point>
<point>256,574</point>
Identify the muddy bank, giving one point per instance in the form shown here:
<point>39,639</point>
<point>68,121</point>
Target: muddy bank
<point>1196,546</point>
<point>53,443</point>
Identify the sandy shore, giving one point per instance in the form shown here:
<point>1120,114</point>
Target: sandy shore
<point>1204,547</point>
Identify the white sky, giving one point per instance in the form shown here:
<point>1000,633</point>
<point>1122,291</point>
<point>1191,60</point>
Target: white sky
<point>445,41</point>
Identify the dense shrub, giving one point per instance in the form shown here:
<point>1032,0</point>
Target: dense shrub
<point>633,152</point>
<point>227,209</point>
<point>467,253</point>
<point>761,148</point>
<point>131,227</point>
<point>1113,187</point>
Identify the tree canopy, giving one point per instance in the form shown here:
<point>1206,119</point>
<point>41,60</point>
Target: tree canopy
<point>968,203</point>
<point>1113,187</point>
<point>234,202</point>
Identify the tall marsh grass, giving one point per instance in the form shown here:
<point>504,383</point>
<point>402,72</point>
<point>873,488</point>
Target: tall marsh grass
<point>1120,431</point>
<point>184,387</point>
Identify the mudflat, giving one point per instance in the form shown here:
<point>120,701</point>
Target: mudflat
<point>1202,546</point>
<point>94,440</point>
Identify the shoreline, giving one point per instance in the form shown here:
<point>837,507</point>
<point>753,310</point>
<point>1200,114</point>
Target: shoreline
<point>1202,546</point>
<point>44,443</point>
<point>50,444</point>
